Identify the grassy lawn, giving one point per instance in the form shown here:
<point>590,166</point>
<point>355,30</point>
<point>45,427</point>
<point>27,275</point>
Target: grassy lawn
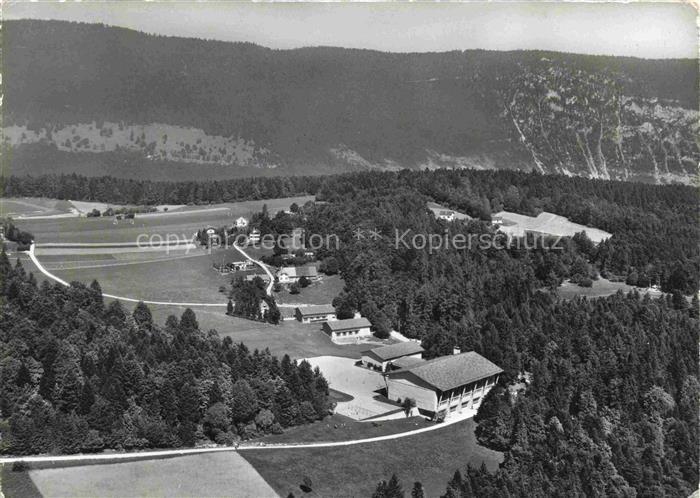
<point>16,484</point>
<point>548,223</point>
<point>296,339</point>
<point>290,337</point>
<point>189,279</point>
<point>183,224</point>
<point>600,288</point>
<point>321,292</point>
<point>211,474</point>
<point>342,428</point>
<point>355,470</point>
<point>32,206</point>
<point>193,280</point>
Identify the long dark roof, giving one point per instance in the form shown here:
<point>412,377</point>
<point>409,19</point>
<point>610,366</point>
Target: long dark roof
<point>396,350</point>
<point>317,309</point>
<point>450,372</point>
<point>351,323</point>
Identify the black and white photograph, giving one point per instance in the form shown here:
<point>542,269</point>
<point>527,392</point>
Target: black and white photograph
<point>349,249</point>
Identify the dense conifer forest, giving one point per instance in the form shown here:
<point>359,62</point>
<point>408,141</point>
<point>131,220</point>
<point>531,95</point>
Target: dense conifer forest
<point>611,410</point>
<point>611,406</point>
<point>79,375</point>
<point>333,109</point>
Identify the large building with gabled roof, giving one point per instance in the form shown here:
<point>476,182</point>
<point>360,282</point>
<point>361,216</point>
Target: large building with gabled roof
<point>446,384</point>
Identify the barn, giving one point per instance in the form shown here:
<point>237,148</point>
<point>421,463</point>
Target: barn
<point>380,358</point>
<point>444,385</point>
<point>347,330</point>
<point>315,313</point>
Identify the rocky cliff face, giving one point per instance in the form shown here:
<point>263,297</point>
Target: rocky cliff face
<point>576,122</point>
<point>101,100</point>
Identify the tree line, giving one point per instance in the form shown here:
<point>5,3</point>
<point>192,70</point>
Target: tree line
<point>81,375</point>
<point>654,228</point>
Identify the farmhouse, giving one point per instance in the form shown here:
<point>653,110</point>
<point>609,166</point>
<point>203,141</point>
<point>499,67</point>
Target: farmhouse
<point>315,313</point>
<point>242,222</point>
<point>380,358</point>
<point>446,215</point>
<point>254,237</point>
<point>347,330</point>
<point>290,274</point>
<point>241,265</point>
<point>445,385</point>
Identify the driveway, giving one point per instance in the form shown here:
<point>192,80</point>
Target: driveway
<point>358,382</point>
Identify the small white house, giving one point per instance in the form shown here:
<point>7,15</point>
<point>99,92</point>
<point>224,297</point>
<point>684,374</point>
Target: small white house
<point>242,222</point>
<point>350,330</point>
<point>315,313</point>
<point>291,274</point>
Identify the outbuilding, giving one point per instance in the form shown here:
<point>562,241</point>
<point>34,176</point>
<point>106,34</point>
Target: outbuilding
<point>347,330</point>
<point>291,274</point>
<point>445,385</point>
<point>381,357</point>
<point>446,215</point>
<point>315,313</point>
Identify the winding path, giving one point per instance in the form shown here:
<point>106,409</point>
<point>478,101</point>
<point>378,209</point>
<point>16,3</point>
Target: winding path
<point>191,451</point>
<point>262,265</point>
<point>50,275</point>
<point>243,447</point>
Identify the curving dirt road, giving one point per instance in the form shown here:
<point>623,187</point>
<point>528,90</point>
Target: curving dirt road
<point>244,447</point>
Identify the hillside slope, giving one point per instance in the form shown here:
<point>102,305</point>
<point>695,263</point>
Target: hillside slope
<point>109,98</point>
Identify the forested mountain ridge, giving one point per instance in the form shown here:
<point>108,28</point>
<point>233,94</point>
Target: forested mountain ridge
<point>112,97</point>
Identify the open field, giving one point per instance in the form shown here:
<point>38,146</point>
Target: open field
<point>600,288</point>
<point>220,474</point>
<point>430,458</point>
<point>16,484</point>
<point>320,292</point>
<point>86,207</point>
<point>298,340</point>
<point>341,428</point>
<point>436,208</point>
<point>33,206</point>
<point>290,337</point>
<point>86,259</point>
<point>547,223</point>
<point>182,223</point>
<point>188,278</point>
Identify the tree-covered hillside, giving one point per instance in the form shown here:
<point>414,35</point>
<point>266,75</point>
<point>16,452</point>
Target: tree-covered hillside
<point>90,89</point>
<point>611,410</point>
